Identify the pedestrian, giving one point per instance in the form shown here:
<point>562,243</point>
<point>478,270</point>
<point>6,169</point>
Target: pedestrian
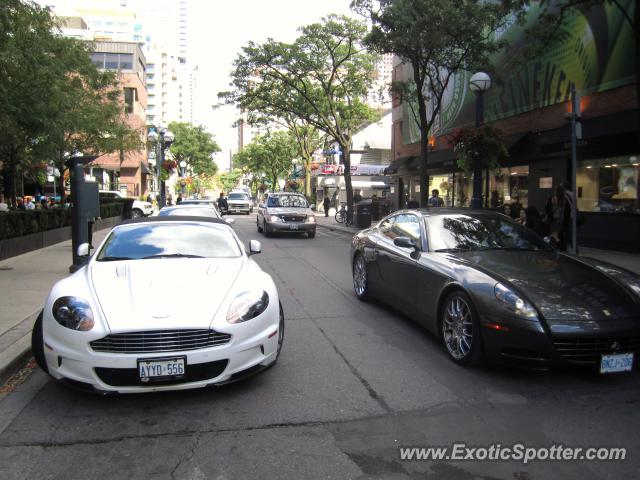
<point>558,217</point>
<point>223,206</point>
<point>52,203</point>
<point>29,205</point>
<point>149,198</point>
<point>326,203</point>
<point>20,204</point>
<point>516,207</point>
<point>170,200</point>
<point>534,220</point>
<point>506,209</point>
<point>434,199</point>
<point>179,199</point>
<point>44,204</point>
<point>522,216</point>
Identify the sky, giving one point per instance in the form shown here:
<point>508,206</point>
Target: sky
<point>217,31</point>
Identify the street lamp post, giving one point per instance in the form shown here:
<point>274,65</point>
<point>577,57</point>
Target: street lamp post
<point>183,174</point>
<point>479,83</point>
<point>161,140</point>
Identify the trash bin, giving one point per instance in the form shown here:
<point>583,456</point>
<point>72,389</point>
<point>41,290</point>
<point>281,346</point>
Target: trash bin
<point>363,214</point>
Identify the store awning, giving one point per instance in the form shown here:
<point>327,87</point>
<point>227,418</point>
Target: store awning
<point>405,163</point>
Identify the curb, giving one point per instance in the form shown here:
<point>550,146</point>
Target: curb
<point>338,228</point>
<point>15,355</point>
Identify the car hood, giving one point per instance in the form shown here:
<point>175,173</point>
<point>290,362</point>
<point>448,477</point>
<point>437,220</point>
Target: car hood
<point>560,286</point>
<point>163,293</point>
<point>289,211</point>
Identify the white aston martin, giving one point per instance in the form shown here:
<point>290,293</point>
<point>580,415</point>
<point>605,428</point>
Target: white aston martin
<point>165,303</point>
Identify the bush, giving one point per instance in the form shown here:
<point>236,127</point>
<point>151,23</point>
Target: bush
<point>16,223</point>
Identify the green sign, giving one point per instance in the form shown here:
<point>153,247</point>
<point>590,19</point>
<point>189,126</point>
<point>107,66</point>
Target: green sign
<point>596,54</point>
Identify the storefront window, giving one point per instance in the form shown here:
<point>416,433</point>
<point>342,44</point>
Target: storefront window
<point>609,185</point>
<point>508,185</point>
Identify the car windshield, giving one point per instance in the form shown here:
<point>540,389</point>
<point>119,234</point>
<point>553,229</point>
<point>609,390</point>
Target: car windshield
<point>287,201</point>
<point>238,196</point>
<point>462,232</point>
<point>171,239</point>
<point>194,211</point>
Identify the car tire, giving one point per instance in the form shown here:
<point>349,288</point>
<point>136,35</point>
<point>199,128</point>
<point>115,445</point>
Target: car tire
<point>267,232</point>
<point>458,325</point>
<point>258,225</point>
<point>136,213</point>
<point>360,279</point>
<point>311,234</point>
<point>37,344</point>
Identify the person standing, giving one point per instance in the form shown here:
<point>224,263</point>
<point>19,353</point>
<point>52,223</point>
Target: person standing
<point>435,200</point>
<point>326,203</point>
<point>29,205</point>
<point>170,200</point>
<point>516,207</point>
<point>558,217</point>
<point>223,205</point>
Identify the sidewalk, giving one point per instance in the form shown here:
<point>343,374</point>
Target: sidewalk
<point>25,282</point>
<point>630,261</point>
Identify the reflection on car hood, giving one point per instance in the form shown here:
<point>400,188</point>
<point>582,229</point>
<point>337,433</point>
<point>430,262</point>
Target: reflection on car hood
<point>289,211</point>
<point>562,287</point>
<point>163,293</point>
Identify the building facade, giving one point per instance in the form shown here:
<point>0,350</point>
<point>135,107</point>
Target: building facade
<point>530,104</point>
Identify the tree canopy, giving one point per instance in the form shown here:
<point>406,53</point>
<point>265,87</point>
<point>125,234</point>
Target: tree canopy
<point>322,79</point>
<point>195,146</point>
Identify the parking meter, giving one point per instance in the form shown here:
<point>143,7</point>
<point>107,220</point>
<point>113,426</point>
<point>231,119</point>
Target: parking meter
<point>85,209</point>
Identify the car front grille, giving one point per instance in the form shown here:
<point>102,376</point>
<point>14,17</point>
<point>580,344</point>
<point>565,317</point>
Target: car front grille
<point>590,349</point>
<point>130,377</point>
<point>293,218</point>
<point>238,205</point>
<point>160,341</point>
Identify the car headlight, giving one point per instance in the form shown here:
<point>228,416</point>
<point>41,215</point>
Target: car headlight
<point>517,305</point>
<point>74,313</point>
<point>311,219</point>
<point>248,305</point>
<point>274,218</point>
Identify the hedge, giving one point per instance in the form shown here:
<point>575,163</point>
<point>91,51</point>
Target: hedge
<point>16,223</point>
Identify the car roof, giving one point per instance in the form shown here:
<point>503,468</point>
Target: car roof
<point>436,211</point>
<point>202,205</point>
<point>175,218</point>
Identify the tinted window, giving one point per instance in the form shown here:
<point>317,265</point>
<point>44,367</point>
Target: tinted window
<point>403,225</point>
<point>480,232</point>
<point>287,201</point>
<point>238,196</point>
<point>194,211</point>
<point>171,239</point>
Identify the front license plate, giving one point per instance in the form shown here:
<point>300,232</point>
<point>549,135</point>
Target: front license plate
<point>616,363</point>
<point>293,227</point>
<point>161,369</point>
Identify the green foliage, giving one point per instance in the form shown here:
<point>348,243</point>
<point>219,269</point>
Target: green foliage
<point>229,180</point>
<point>52,98</point>
<point>437,39</point>
<point>194,146</point>
<point>270,154</point>
<point>486,143</point>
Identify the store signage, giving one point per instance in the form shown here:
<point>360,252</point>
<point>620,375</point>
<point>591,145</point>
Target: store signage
<point>545,182</point>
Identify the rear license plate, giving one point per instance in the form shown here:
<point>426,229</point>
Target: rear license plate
<point>293,226</point>
<point>159,369</point>
<point>616,363</point>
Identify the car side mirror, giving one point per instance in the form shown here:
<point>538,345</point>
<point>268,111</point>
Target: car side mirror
<point>83,250</point>
<point>254,247</point>
<point>404,242</point>
<point>230,221</point>
<point>313,207</point>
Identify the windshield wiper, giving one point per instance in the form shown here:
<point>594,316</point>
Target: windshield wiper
<point>113,259</point>
<point>172,255</point>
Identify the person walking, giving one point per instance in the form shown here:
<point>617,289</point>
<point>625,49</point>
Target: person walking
<point>326,203</point>
<point>223,205</point>
<point>435,200</point>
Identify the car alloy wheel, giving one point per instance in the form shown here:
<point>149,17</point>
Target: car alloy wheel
<point>459,329</point>
<point>360,277</point>
<point>136,213</point>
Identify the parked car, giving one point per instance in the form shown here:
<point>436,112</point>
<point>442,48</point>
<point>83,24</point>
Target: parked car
<point>286,212</point>
<point>239,201</point>
<point>193,210</point>
<point>114,326</point>
<point>139,208</point>
<point>202,201</point>
<point>489,287</point>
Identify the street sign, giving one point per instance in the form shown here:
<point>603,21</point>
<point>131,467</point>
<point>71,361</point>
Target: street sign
<point>331,152</point>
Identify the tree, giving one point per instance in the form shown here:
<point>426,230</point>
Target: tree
<point>229,180</point>
<point>194,146</point>
<point>321,79</point>
<point>437,39</point>
<point>271,154</point>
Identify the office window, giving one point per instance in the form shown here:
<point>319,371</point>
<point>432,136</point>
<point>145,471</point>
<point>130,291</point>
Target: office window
<point>130,97</point>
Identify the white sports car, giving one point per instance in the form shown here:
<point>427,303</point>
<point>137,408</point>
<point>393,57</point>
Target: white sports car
<point>165,303</point>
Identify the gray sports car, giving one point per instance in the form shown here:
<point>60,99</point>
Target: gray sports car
<point>487,286</point>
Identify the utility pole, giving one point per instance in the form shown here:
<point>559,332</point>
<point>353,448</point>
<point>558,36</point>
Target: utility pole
<point>576,134</point>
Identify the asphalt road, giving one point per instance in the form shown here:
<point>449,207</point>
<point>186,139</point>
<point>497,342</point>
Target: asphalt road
<point>354,383</point>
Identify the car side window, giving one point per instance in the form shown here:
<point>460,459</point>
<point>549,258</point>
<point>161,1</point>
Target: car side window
<point>387,224</point>
<point>407,225</point>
